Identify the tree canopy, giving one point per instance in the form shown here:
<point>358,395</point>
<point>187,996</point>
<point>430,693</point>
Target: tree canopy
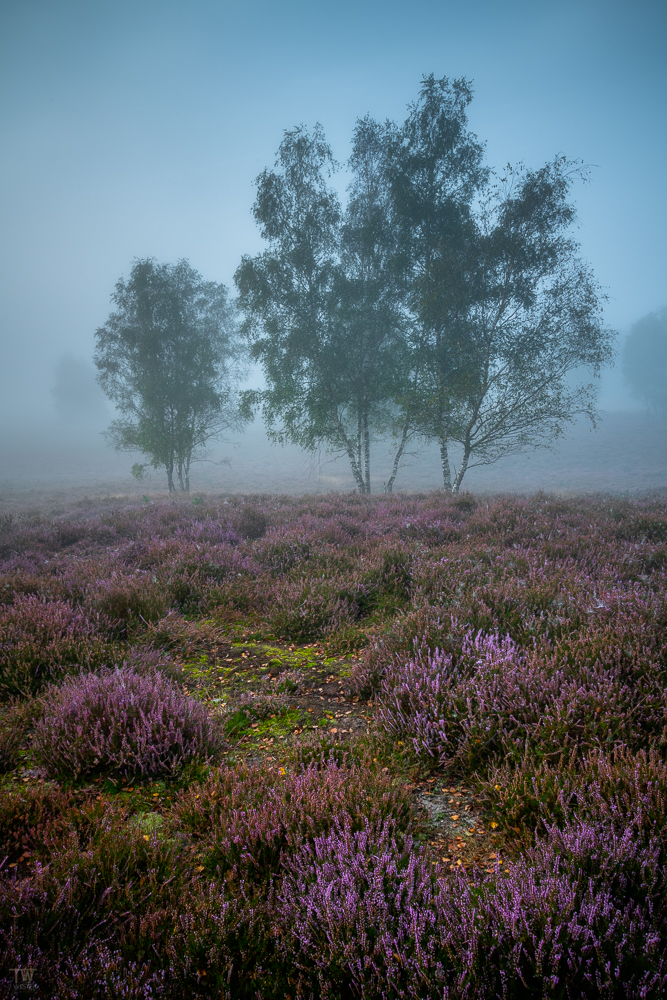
<point>322,312</point>
<point>168,357</point>
<point>443,302</point>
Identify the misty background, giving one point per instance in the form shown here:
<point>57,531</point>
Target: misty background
<point>136,130</point>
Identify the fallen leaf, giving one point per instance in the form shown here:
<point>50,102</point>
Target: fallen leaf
<point>456,816</point>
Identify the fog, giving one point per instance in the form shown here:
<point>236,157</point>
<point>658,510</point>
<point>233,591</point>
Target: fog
<point>137,129</point>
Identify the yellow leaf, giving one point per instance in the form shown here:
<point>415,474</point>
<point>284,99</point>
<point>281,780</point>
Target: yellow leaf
<point>146,837</point>
<point>493,824</point>
<point>497,788</point>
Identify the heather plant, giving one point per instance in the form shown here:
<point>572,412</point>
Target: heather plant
<point>12,733</point>
<point>249,818</point>
<point>39,819</point>
<point>10,744</point>
<point>109,895</point>
<point>361,915</point>
<point>126,600</point>
<point>176,633</point>
<point>521,642</point>
<point>306,610</point>
<point>122,723</point>
<point>620,788</point>
<point>42,640</point>
<point>583,913</point>
<point>290,681</point>
<point>495,699</point>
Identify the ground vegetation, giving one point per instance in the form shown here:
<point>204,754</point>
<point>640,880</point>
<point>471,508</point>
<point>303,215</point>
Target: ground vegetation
<point>335,746</point>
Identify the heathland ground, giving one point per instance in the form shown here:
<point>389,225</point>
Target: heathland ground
<point>335,746</point>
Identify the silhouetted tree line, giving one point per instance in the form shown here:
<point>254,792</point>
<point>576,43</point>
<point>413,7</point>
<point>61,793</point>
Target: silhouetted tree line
<point>443,302</point>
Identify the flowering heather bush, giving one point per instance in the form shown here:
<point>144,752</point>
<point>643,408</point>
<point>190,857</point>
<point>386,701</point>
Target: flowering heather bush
<point>304,610</point>
<point>12,729</point>
<point>495,699</point>
<point>521,642</point>
<point>361,914</point>
<point>584,914</point>
<point>87,920</point>
<point>42,818</point>
<point>41,640</point>
<point>120,722</point>
<point>177,633</point>
<point>602,787</point>
<point>251,817</point>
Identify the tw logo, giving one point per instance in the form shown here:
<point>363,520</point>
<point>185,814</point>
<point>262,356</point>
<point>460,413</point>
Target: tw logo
<point>23,978</point>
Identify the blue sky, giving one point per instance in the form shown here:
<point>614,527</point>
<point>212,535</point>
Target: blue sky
<point>136,129</point>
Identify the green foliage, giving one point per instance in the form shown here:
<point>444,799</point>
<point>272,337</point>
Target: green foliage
<point>168,359</point>
<point>444,303</point>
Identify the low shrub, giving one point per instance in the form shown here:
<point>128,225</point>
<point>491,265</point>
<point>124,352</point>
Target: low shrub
<point>250,817</point>
<point>608,788</point>
<point>304,610</point>
<point>37,819</point>
<point>495,699</point>
<point>360,917</point>
<point>582,914</point>
<point>12,733</point>
<point>43,640</point>
<point>122,723</point>
<point>128,601</point>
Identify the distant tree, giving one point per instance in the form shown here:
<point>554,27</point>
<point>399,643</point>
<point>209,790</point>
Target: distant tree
<point>77,397</point>
<point>169,359</point>
<point>505,315</point>
<point>320,302</point>
<point>645,360</point>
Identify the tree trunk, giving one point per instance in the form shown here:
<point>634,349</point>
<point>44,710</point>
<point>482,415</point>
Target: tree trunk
<point>444,461</point>
<point>462,469</point>
<point>354,465</point>
<point>367,455</point>
<point>170,479</point>
<point>397,458</point>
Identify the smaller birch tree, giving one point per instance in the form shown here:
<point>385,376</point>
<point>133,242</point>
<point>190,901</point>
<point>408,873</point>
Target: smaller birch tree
<point>169,358</point>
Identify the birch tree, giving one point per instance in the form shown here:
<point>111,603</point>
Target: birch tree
<point>169,357</point>
<point>435,173</point>
<point>531,334</point>
<point>320,304</point>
